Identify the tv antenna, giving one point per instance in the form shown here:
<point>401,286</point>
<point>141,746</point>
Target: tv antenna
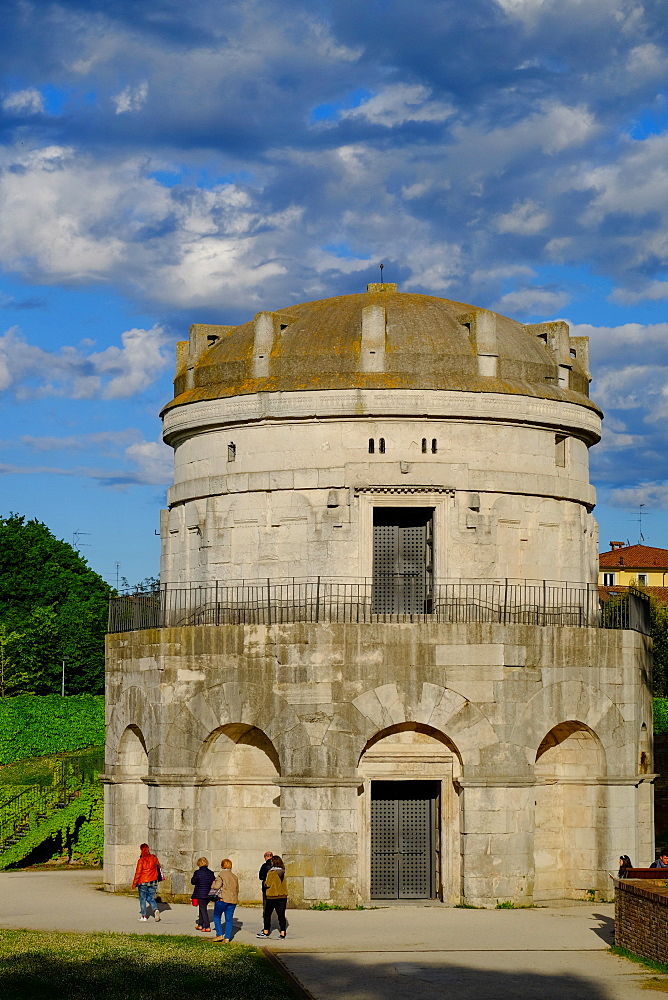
<point>381,266</point>
<point>76,544</point>
<point>641,513</point>
<point>118,570</point>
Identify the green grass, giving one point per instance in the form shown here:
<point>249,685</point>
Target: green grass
<point>648,963</point>
<point>35,965</point>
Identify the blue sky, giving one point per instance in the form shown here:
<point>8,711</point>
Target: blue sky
<point>163,164</point>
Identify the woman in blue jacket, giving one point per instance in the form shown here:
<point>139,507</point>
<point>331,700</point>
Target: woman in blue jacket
<point>202,880</point>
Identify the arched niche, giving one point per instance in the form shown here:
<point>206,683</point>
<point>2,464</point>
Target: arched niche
<point>238,812</point>
<point>408,775</point>
<point>132,755</point>
<point>126,808</point>
<point>569,839</point>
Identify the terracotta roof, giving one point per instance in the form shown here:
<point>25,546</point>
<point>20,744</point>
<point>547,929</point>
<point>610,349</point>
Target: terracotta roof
<point>634,557</point>
<point>659,593</point>
<point>428,345</point>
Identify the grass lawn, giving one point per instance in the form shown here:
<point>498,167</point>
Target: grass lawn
<point>39,965</point>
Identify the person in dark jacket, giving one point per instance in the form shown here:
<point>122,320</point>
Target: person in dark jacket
<point>202,879</point>
<point>662,860</point>
<point>262,874</point>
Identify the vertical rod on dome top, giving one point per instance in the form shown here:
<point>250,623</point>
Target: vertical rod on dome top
<point>268,602</point>
<point>317,600</point>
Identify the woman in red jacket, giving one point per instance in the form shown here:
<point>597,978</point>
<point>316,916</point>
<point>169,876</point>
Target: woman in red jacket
<point>146,881</point>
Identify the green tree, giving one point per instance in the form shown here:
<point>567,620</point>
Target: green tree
<point>57,606</point>
<point>659,633</point>
<point>10,676</point>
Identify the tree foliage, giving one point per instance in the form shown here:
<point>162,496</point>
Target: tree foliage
<point>659,633</point>
<point>53,607</point>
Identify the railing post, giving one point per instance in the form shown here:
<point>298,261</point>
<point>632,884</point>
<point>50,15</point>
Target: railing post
<point>505,602</point>
<point>317,601</point>
<point>268,602</point>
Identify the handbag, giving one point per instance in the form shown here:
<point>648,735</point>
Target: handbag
<point>195,902</point>
<point>161,877</point>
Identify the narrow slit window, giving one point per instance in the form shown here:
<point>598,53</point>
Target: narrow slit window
<point>372,446</point>
<point>231,452</point>
<point>424,446</point>
<point>434,446</point>
<point>560,451</point>
<point>381,445</point>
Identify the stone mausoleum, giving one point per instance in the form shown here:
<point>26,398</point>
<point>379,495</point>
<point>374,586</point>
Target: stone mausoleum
<point>378,648</point>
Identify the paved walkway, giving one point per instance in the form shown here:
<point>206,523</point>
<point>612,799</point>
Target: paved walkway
<point>392,953</point>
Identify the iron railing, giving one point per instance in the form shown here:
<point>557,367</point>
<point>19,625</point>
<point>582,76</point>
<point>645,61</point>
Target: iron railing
<point>327,599</point>
<point>34,803</point>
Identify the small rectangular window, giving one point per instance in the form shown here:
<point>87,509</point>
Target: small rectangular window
<point>231,452</point>
<point>372,446</point>
<point>560,451</point>
<point>434,446</point>
<point>381,445</point>
<point>642,579</point>
<point>608,579</point>
<point>424,446</point>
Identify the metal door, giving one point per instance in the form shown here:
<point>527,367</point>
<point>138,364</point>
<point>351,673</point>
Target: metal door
<point>403,839</point>
<point>402,560</point>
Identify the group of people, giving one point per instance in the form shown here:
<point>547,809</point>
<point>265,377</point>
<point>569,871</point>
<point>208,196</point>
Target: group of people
<point>221,889</point>
<point>659,862</point>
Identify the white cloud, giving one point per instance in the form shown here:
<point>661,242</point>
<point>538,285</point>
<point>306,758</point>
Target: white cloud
<point>115,373</point>
<point>400,103</point>
<point>131,98</point>
<point>651,494</point>
<point>154,461</point>
<point>105,441</point>
<point>29,102</point>
<point>147,463</point>
<point>525,218</point>
<point>524,301</point>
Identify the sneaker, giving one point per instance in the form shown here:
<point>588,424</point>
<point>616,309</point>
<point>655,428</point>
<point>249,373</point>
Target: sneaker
<point>263,935</point>
<point>205,929</point>
<point>142,918</point>
<point>157,914</point>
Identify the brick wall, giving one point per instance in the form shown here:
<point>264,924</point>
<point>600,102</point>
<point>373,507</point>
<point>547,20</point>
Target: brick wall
<point>641,919</point>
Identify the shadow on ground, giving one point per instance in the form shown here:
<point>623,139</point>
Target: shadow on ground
<point>327,978</point>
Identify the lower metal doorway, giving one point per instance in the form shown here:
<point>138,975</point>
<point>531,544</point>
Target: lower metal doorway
<point>403,839</point>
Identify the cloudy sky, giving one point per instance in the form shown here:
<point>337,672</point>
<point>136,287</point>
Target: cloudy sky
<point>165,163</point>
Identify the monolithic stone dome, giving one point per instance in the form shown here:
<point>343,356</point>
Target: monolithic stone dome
<point>382,339</point>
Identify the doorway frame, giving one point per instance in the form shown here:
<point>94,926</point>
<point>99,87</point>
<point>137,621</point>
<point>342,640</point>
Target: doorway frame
<point>438,499</point>
<point>435,765</point>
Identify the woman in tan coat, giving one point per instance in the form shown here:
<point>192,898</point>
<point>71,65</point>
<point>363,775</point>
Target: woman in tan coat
<point>226,887</point>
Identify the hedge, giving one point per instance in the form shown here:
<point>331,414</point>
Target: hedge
<point>36,725</point>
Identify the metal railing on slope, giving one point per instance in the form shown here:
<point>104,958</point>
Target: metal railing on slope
<point>32,805</point>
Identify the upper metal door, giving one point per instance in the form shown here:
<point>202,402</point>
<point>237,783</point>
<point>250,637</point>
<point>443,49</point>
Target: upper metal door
<point>402,560</point>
